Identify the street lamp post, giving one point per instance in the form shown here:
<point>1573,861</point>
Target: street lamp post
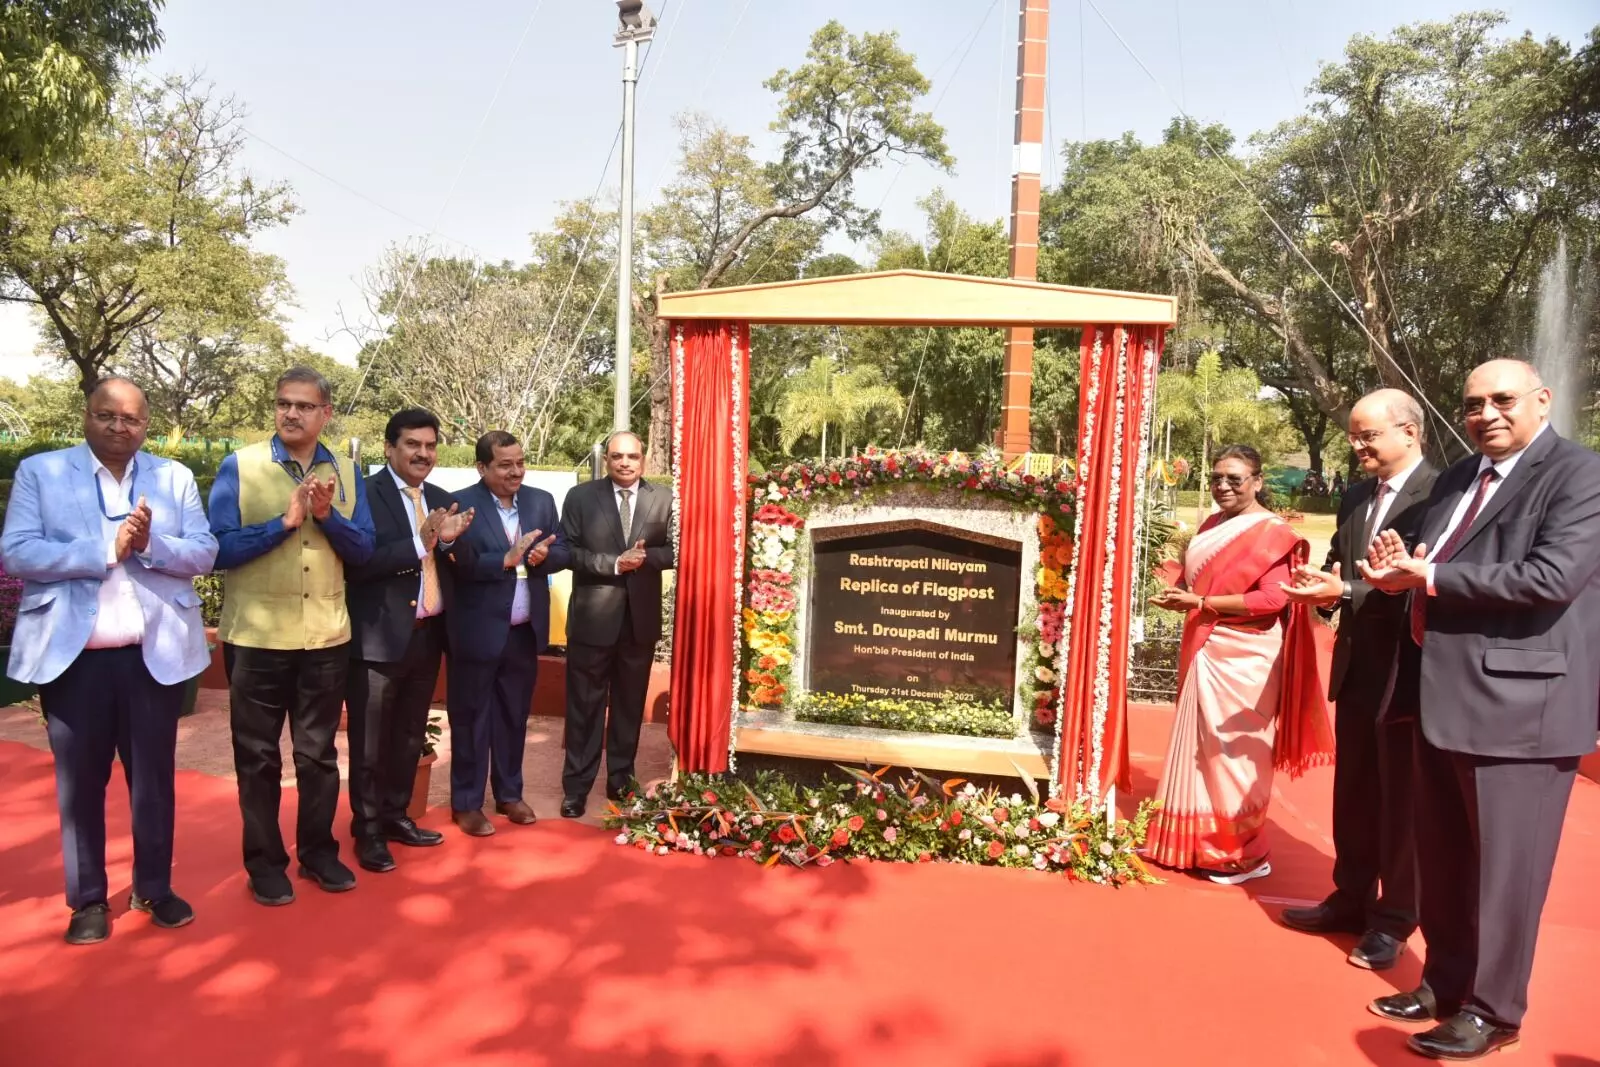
<point>637,24</point>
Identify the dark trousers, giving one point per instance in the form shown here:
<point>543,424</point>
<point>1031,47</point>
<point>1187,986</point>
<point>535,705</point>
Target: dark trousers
<point>1375,857</point>
<point>597,676</point>
<point>489,704</point>
<point>107,704</point>
<point>307,686</point>
<point>388,706</point>
<point>1487,832</point>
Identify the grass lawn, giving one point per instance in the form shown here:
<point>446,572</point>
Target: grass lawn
<point>1318,529</point>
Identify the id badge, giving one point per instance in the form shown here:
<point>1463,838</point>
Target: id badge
<point>522,572</point>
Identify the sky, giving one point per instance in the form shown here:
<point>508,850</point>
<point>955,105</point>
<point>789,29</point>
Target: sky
<point>466,126</point>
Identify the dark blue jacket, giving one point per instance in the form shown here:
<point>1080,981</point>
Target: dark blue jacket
<point>480,612</point>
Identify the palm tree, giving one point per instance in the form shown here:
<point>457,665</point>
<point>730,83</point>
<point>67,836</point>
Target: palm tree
<point>826,394</point>
<point>1206,398</point>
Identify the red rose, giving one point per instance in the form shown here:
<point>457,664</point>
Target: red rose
<point>786,834</point>
<point>709,797</point>
<point>856,823</point>
<point>970,483</point>
<point>1033,824</point>
<point>841,838</point>
<point>996,850</point>
<point>955,818</point>
<point>890,465</point>
<point>1002,814</point>
<point>1062,487</point>
<point>923,857</point>
<point>833,477</point>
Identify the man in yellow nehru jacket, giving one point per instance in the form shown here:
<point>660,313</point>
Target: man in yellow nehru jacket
<point>288,516</point>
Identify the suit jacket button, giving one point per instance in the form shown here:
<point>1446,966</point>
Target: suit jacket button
<point>307,570</point>
<point>91,611</point>
<point>305,596</point>
<point>413,603</point>
<point>306,543</point>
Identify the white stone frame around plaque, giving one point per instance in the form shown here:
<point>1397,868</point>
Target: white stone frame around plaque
<point>992,518</point>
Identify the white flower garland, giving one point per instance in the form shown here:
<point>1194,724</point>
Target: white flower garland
<point>738,466</point>
<point>1085,458</point>
<point>1141,501</point>
<point>1102,664</point>
<point>677,477</point>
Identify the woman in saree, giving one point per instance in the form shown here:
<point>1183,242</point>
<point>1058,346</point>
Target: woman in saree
<point>1250,695</point>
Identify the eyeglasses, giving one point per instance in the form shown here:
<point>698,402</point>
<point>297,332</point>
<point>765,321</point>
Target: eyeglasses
<point>299,407</point>
<point>1472,407</point>
<point>1233,480</point>
<point>1366,437</point>
<point>107,419</point>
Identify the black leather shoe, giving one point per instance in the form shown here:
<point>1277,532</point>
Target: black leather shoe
<point>169,913</point>
<point>89,924</point>
<point>1464,1036</point>
<point>1417,1006</point>
<point>272,890</point>
<point>1322,919</point>
<point>330,875</point>
<point>1377,951</point>
<point>373,855</point>
<point>472,823</point>
<point>573,808</point>
<point>406,832</point>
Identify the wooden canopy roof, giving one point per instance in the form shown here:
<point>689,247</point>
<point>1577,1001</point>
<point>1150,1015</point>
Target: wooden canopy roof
<point>920,298</point>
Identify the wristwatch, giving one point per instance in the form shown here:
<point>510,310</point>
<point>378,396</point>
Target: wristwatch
<point>1348,593</point>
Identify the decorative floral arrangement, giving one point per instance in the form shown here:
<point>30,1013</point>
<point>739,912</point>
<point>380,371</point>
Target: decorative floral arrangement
<point>1043,672</point>
<point>967,718</point>
<point>780,499</point>
<point>918,819</point>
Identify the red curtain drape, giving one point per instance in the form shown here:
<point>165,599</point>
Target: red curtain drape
<point>710,387</point>
<point>1116,390</point>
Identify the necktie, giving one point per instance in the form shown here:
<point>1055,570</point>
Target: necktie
<point>627,515</point>
<point>1419,597</point>
<point>430,567</point>
<point>1369,529</point>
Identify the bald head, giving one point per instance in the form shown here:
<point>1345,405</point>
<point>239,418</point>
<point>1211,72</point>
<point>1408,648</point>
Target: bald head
<point>115,418</point>
<point>1386,432</point>
<point>1505,404</point>
<point>117,388</point>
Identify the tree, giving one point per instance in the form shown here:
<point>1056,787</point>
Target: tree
<point>481,346</point>
<point>1209,404</point>
<point>59,60</point>
<point>147,233</point>
<point>848,109</point>
<point>826,394</point>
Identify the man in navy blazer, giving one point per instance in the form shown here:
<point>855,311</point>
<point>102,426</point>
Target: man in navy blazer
<point>498,623</point>
<point>1504,647</point>
<point>107,540</point>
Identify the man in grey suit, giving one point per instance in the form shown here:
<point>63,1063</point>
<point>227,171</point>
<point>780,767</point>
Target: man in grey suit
<point>1505,619</point>
<point>1375,860</point>
<point>619,530</point>
<point>108,540</point>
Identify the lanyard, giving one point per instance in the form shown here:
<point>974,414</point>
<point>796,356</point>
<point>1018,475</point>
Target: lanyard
<point>100,491</point>
<point>291,468</point>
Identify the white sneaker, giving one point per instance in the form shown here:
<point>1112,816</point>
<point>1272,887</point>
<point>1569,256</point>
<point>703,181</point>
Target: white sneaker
<point>1260,871</point>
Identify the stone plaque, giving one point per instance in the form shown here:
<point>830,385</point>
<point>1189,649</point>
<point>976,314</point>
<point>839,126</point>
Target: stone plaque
<point>914,614</point>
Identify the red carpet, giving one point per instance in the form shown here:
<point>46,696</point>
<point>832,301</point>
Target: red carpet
<point>553,946</point>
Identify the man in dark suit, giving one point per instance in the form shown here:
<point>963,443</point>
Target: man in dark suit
<point>1505,615</point>
<point>1375,866</point>
<point>498,623</point>
<point>619,528</point>
<point>397,601</point>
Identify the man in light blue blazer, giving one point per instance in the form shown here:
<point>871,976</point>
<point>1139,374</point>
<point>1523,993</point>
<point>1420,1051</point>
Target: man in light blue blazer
<point>107,540</point>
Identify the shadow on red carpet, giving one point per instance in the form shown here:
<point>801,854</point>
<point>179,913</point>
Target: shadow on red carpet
<point>550,945</point>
